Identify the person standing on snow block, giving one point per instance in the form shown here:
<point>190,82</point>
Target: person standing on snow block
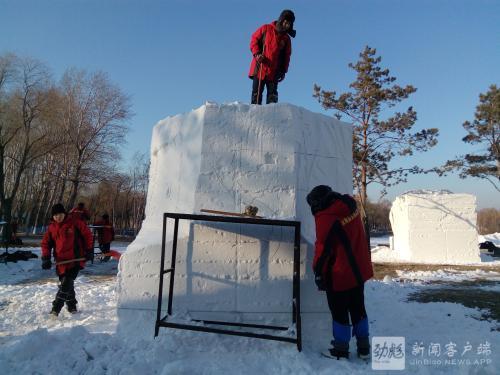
<point>80,212</point>
<point>70,239</point>
<point>341,265</point>
<point>271,49</point>
<point>105,235</point>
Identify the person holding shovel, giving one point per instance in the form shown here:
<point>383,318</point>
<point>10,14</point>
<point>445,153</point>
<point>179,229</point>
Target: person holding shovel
<point>271,48</point>
<point>71,240</point>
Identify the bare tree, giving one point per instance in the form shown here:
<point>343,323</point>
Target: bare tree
<point>94,112</point>
<point>24,135</point>
<point>488,221</point>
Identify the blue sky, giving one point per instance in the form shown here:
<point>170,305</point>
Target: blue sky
<point>172,56</point>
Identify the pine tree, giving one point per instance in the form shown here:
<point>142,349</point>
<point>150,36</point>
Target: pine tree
<point>485,132</point>
<point>377,141</point>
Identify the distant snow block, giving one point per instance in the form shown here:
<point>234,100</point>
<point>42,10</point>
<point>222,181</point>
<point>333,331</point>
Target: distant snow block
<point>435,227</point>
<point>225,157</point>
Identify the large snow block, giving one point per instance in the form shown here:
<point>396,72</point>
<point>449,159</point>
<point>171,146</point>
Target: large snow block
<point>435,227</point>
<point>225,157</point>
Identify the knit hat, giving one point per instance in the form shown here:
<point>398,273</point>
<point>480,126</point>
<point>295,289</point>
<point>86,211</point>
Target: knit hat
<point>320,198</point>
<point>58,209</point>
<point>288,15</point>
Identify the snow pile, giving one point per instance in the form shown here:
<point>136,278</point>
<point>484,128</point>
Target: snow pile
<point>224,157</point>
<point>435,227</point>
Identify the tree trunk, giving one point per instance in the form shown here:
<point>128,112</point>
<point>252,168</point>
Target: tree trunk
<point>7,217</point>
<point>364,194</point>
<point>60,197</point>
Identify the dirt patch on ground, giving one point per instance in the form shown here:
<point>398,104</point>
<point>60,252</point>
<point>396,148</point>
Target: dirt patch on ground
<point>486,300</point>
<point>472,292</point>
<point>383,269</point>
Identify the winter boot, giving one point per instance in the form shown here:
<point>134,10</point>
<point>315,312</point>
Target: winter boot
<point>360,330</point>
<point>364,348</point>
<point>338,350</point>
<point>340,342</point>
<point>57,305</point>
<point>54,313</point>
<point>71,306</point>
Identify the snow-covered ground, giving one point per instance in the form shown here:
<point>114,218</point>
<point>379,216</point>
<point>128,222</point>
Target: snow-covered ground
<point>88,343</point>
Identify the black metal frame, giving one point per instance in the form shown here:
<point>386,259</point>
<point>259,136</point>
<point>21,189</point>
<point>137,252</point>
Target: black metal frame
<point>296,319</point>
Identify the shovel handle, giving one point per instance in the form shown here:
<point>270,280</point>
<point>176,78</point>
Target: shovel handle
<point>70,261</point>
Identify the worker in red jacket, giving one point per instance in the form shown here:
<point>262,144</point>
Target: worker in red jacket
<point>271,49</point>
<point>71,239</point>
<point>80,212</point>
<point>105,235</point>
<point>341,265</point>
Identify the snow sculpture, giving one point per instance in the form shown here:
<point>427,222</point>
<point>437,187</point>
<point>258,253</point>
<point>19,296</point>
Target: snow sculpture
<point>224,157</point>
<point>435,227</point>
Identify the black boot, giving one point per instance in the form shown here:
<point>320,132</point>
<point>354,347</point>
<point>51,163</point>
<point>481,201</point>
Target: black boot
<point>339,350</point>
<point>336,353</point>
<point>363,347</point>
<point>72,307</point>
<point>71,304</point>
<point>57,305</point>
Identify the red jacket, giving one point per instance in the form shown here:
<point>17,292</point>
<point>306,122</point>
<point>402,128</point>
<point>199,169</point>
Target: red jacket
<point>66,243</point>
<point>107,234</point>
<point>277,51</point>
<point>82,214</point>
<point>341,275</point>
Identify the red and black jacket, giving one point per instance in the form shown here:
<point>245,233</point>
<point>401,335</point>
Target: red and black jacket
<point>275,47</point>
<point>341,253</point>
<point>70,239</point>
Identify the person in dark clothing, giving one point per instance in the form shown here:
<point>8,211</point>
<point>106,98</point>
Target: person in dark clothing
<point>271,48</point>
<point>105,235</point>
<point>71,240</point>
<point>341,265</point>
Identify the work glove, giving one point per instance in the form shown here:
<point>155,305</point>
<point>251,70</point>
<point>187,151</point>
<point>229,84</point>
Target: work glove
<point>259,57</point>
<point>320,283</point>
<point>46,263</point>
<point>89,255</point>
<point>281,77</point>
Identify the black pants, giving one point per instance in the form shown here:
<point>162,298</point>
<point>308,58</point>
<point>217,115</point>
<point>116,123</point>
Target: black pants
<point>271,87</point>
<point>347,303</point>
<point>105,247</point>
<point>66,292</point>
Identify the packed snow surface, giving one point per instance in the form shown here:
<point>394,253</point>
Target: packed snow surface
<point>89,343</point>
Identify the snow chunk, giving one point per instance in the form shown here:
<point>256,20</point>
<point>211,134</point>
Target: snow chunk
<point>435,227</point>
<point>224,157</point>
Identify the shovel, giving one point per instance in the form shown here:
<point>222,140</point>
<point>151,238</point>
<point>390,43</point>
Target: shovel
<point>112,253</point>
<point>70,261</point>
